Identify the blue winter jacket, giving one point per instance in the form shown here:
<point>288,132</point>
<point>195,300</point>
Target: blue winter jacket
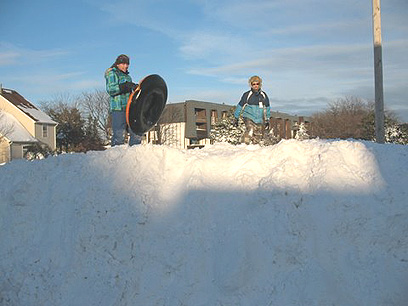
<point>114,77</point>
<point>252,107</point>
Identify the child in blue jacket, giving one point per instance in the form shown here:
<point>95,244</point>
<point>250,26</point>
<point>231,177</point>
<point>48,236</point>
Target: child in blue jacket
<point>255,109</point>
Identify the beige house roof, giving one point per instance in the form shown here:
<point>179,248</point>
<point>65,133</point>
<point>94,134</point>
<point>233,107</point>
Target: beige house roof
<point>26,107</point>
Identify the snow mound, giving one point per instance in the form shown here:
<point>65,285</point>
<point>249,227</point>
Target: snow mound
<point>299,223</point>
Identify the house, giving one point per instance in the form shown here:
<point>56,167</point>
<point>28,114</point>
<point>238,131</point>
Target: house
<point>22,125</point>
<point>188,124</point>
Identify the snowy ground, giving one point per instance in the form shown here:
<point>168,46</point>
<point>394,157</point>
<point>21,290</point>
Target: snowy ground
<point>299,223</point>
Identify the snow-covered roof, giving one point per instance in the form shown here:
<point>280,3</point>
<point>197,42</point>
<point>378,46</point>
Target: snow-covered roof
<point>13,130</point>
<point>26,107</point>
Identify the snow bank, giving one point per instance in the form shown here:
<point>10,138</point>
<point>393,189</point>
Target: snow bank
<point>299,223</point>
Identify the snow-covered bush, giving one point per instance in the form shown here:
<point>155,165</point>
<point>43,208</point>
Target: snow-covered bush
<point>301,133</point>
<point>395,134</point>
<point>37,151</point>
<point>224,130</point>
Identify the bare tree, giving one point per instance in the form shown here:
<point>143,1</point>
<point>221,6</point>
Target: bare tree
<point>349,117</point>
<point>96,105</point>
<point>343,119</point>
<point>6,128</point>
<point>166,127</point>
<point>61,98</point>
<point>73,131</point>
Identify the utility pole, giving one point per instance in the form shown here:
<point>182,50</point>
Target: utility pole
<point>378,74</point>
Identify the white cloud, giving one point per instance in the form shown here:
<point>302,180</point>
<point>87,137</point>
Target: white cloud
<point>13,55</point>
<point>323,59</point>
<point>213,47</point>
<point>8,58</point>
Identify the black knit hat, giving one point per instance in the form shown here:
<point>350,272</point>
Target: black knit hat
<point>122,59</point>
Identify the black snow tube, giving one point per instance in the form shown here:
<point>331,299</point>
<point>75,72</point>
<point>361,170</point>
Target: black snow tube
<point>146,104</point>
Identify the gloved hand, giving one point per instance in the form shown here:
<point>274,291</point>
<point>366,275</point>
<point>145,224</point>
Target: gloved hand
<point>267,125</point>
<point>134,86</point>
<point>127,87</point>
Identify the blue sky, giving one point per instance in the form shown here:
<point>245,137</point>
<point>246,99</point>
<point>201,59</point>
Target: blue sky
<point>308,52</point>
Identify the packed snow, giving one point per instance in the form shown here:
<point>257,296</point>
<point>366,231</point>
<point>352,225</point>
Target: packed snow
<point>299,223</point>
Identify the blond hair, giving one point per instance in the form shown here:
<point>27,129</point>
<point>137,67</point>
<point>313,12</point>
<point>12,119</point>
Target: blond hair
<point>255,78</point>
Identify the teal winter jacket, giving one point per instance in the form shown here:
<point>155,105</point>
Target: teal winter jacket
<point>114,77</point>
<point>252,106</point>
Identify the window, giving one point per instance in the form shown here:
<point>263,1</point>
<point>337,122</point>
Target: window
<point>214,116</point>
<point>3,156</point>
<point>200,114</point>
<point>201,123</point>
<point>44,131</point>
<point>25,150</point>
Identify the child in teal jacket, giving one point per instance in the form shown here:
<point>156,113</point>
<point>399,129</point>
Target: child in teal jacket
<point>119,86</point>
<point>255,109</point>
